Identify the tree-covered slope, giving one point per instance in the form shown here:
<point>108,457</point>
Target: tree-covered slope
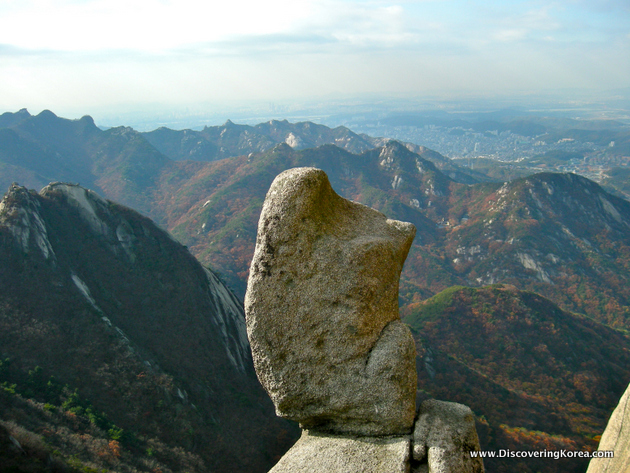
<point>536,376</point>
<point>135,336</point>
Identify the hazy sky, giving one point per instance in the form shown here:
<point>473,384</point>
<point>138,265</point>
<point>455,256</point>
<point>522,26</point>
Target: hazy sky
<point>71,55</point>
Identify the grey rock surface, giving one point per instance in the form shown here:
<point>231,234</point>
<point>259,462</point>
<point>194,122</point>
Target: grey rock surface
<point>316,453</point>
<point>443,436</point>
<point>615,438</point>
<point>322,310</point>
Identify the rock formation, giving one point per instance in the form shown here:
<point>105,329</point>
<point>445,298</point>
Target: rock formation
<point>616,438</point>
<point>322,310</point>
<point>443,435</point>
<point>327,341</point>
<point>326,453</point>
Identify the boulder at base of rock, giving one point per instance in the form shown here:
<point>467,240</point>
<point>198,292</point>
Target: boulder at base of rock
<point>616,438</point>
<point>322,310</point>
<point>317,453</point>
<point>443,438</point>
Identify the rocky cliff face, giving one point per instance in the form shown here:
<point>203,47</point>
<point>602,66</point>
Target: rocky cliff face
<point>98,297</point>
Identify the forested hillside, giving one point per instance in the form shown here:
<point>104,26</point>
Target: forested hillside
<point>541,361</point>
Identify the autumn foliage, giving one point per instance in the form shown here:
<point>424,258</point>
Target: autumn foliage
<point>536,376</point>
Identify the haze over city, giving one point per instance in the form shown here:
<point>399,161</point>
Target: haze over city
<point>106,57</point>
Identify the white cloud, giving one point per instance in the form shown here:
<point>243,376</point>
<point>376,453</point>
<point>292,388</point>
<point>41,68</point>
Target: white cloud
<point>139,51</point>
<point>510,35</point>
<point>523,25</point>
<point>160,26</point>
<point>142,24</point>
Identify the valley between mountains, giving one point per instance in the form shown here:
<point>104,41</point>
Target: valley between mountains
<point>517,292</point>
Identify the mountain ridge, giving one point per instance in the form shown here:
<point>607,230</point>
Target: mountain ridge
<point>125,315</point>
<point>455,246</point>
<point>457,242</point>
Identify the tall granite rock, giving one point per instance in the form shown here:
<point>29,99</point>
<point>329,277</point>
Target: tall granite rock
<point>616,438</point>
<point>328,344</point>
<point>322,310</point>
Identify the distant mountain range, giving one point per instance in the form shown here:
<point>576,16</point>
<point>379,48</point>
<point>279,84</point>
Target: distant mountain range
<point>220,142</point>
<point>45,147</point>
<point>559,235</point>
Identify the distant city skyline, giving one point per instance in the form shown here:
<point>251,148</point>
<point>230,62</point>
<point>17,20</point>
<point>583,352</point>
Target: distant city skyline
<point>106,56</point>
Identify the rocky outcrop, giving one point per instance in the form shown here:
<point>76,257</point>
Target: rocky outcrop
<point>326,453</point>
<point>443,436</point>
<point>322,310</point>
<point>327,341</point>
<point>616,438</point>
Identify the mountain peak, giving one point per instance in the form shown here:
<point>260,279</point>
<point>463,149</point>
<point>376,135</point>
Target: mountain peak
<point>8,119</point>
<point>20,213</point>
<point>46,114</point>
<point>549,193</point>
<point>394,155</point>
<point>87,119</point>
<point>282,147</point>
<point>394,145</point>
<point>88,203</point>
